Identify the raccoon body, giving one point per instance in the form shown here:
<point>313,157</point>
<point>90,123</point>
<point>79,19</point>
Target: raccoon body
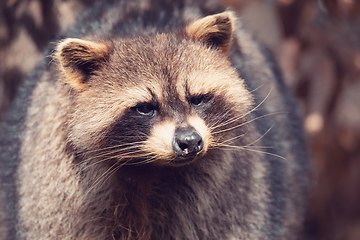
<point>167,126</point>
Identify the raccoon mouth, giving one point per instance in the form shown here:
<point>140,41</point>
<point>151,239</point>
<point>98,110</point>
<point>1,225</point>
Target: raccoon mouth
<point>180,161</point>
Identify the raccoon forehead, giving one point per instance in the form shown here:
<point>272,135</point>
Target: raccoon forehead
<point>188,69</point>
<point>131,96</point>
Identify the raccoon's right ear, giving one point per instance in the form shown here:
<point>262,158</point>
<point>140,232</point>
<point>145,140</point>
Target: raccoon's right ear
<point>79,59</point>
<point>214,30</point>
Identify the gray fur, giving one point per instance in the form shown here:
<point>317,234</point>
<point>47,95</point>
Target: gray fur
<point>234,195</point>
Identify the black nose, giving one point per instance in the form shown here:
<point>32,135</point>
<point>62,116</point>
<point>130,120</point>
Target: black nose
<point>187,142</point>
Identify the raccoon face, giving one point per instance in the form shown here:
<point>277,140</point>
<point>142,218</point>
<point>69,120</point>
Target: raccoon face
<point>166,99</point>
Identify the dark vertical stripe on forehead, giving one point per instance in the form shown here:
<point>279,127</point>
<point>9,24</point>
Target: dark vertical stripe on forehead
<point>173,101</point>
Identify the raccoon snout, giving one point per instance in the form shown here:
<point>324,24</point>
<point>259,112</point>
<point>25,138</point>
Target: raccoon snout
<point>187,142</point>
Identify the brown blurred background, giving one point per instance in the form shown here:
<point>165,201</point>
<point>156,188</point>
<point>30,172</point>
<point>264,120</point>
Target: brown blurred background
<point>317,44</point>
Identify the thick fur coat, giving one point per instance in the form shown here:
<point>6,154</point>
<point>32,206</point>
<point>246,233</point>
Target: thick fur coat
<point>93,146</point>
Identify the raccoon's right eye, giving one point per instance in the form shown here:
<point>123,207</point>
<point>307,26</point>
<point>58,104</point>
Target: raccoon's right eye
<point>146,109</point>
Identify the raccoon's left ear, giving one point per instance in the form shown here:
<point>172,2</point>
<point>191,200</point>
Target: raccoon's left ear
<point>79,59</point>
<point>214,30</point>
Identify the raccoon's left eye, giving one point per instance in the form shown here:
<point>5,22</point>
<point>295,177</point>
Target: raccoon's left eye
<point>198,100</point>
<point>146,109</point>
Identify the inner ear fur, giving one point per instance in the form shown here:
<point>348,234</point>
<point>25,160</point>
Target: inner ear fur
<point>214,30</point>
<point>79,59</point>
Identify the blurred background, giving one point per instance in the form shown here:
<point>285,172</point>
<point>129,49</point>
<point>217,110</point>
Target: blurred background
<point>317,45</point>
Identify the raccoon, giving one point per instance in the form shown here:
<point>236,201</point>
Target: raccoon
<point>154,121</point>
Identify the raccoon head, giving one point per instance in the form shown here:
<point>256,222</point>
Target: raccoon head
<point>165,99</point>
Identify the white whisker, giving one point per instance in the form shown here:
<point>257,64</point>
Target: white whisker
<point>249,148</point>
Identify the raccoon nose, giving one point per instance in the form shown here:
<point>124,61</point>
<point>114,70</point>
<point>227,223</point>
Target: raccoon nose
<point>187,142</point>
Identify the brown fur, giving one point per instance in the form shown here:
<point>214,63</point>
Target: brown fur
<point>77,56</point>
<point>219,28</point>
<point>97,158</point>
